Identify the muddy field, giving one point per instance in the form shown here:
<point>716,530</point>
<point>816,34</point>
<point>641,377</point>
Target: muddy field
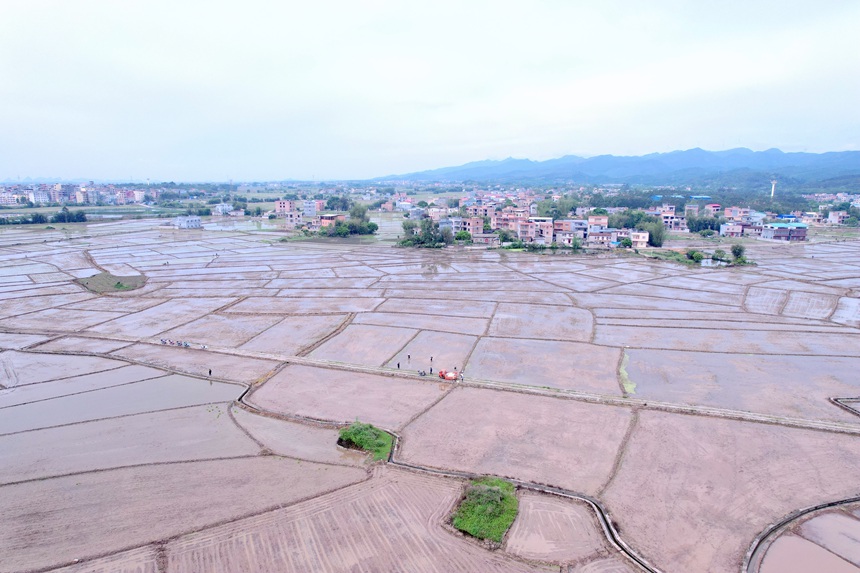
<point>159,470</point>
<point>726,482</point>
<point>534,438</point>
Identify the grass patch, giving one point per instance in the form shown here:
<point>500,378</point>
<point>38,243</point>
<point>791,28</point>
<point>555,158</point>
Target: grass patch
<point>106,282</point>
<point>488,509</point>
<point>628,384</point>
<point>669,255</point>
<point>368,438</point>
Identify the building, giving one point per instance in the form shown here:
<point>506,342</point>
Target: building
<point>639,239</point>
<point>190,222</point>
<point>712,209</point>
<point>596,222</point>
<point>837,217</point>
<point>309,209</point>
<point>736,213</point>
<point>223,209</point>
<point>784,232</point>
<point>489,239</point>
<point>731,230</point>
<point>285,206</point>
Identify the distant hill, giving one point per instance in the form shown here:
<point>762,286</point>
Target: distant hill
<point>739,166</point>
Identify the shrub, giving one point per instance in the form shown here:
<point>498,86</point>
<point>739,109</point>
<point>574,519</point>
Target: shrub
<point>367,437</point>
<point>488,509</point>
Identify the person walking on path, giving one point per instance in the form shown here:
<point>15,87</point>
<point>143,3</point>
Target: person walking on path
<point>398,366</point>
<point>210,372</point>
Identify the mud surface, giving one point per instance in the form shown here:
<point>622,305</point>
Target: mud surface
<point>545,440</point>
<point>181,479</point>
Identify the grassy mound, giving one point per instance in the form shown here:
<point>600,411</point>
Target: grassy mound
<point>368,438</point>
<point>106,282</point>
<point>488,510</point>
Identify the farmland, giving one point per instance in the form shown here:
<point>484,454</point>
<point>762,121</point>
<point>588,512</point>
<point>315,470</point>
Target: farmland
<point>653,416</point>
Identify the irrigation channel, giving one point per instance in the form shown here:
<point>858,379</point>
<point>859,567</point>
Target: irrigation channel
<point>609,530</point>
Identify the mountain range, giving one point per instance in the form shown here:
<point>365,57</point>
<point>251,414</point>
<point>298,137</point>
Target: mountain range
<point>732,167</point>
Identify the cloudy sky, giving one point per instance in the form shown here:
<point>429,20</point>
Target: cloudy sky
<point>211,90</point>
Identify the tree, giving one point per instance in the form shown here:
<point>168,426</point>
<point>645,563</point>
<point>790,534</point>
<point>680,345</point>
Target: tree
<point>656,233</point>
<point>463,236</point>
<point>738,251</point>
<point>338,203</point>
<point>358,212</point>
<point>719,255</point>
<point>626,242</point>
<point>447,235</point>
<point>600,211</point>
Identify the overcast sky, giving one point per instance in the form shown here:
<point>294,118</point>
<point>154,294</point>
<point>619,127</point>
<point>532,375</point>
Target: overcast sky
<point>209,90</point>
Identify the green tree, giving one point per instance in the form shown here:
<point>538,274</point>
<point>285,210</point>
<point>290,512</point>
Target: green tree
<point>656,233</point>
<point>335,203</point>
<point>447,235</point>
<point>358,212</point>
<point>463,236</point>
<point>738,251</point>
<point>626,242</point>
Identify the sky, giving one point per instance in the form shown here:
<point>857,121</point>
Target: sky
<point>212,91</point>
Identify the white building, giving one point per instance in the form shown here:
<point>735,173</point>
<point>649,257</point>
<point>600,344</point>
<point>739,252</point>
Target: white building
<point>190,222</point>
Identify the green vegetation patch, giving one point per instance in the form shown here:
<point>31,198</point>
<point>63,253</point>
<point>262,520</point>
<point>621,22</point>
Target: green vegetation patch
<point>106,282</point>
<point>488,509</point>
<point>626,382</point>
<point>368,438</point>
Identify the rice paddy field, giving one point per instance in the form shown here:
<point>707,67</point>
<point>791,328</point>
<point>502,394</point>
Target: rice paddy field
<point>653,416</point>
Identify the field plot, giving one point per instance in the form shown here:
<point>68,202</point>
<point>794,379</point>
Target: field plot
<point>481,293</point>
<point>198,362</point>
<point>555,530</point>
<point>194,433</point>
<point>541,321</point>
<point>793,554</point>
<point>220,330</point>
<point>157,502</point>
<point>390,523</point>
<point>782,385</point>
<point>292,335</point>
<point>545,440</point>
<point>725,482</point>
<point>31,368</point>
<point>141,560</point>
<point>810,305</point>
<point>734,341</point>
<point>445,308</point>
<point>59,320</point>
<point>83,345</point>
<point>31,302</point>
<point>352,346</point>
<point>145,396</point>
<point>342,396</point>
<point>838,531</point>
<point>18,341</point>
<point>160,318</point>
<point>459,325</point>
<point>76,384</point>
<point>847,312</point>
<point>574,282</point>
<point>323,305</point>
<point>574,365</point>
<point>296,440</point>
<point>448,351</point>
